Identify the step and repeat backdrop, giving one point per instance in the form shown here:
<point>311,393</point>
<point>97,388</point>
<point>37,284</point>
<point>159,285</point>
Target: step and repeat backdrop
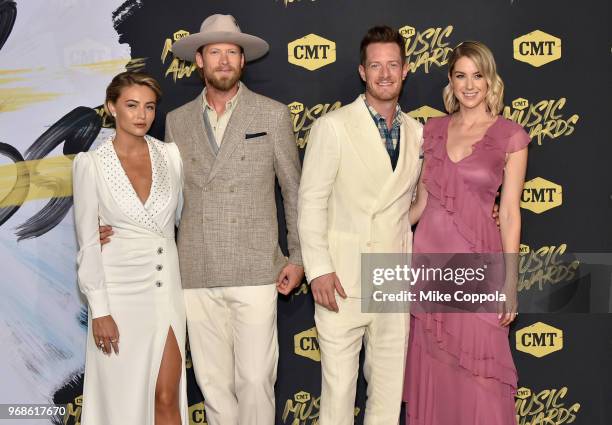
<point>57,56</point>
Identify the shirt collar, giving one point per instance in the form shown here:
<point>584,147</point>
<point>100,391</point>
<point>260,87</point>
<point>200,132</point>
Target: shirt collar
<point>230,103</point>
<point>397,117</point>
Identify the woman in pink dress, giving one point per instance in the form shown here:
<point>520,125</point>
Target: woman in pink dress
<point>459,366</point>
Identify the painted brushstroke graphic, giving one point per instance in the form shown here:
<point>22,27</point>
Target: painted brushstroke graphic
<point>8,14</point>
<point>77,130</point>
<point>56,59</point>
<point>14,198</point>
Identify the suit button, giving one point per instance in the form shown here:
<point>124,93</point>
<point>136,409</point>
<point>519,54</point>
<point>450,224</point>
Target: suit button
<point>373,216</point>
<point>160,250</point>
<point>159,267</point>
<point>232,189</point>
<point>233,220</point>
<point>242,158</point>
<point>193,160</point>
<point>158,284</point>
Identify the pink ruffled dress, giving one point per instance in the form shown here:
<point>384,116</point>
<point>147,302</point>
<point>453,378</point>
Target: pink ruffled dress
<point>459,367</point>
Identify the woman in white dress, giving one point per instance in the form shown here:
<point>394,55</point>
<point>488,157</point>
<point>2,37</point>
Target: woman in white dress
<point>134,369</point>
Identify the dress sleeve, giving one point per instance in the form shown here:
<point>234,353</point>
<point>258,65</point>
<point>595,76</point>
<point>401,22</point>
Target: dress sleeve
<point>428,129</point>
<point>518,140</point>
<point>431,129</point>
<point>90,269</point>
<point>175,156</point>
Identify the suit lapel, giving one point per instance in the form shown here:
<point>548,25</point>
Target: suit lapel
<point>236,128</point>
<point>199,148</point>
<point>202,145</point>
<point>406,165</point>
<point>366,141</point>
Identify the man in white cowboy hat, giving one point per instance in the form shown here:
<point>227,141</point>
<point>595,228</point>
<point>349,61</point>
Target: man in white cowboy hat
<point>234,143</point>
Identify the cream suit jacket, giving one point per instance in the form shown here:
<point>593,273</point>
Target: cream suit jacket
<point>350,200</point>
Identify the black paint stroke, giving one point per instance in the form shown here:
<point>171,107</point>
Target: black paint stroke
<point>8,14</point>
<point>77,130</point>
<point>125,10</point>
<point>23,180</point>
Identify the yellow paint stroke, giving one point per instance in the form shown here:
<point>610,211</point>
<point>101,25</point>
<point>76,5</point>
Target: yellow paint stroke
<point>48,178</point>
<point>110,67</point>
<point>17,71</point>
<point>14,99</point>
<point>11,80</point>
<point>136,64</point>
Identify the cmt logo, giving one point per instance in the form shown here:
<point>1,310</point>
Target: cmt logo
<point>407,31</point>
<point>540,195</point>
<point>523,393</point>
<point>311,52</point>
<point>296,107</point>
<point>537,48</point>
<point>520,103</point>
<point>302,397</point>
<point>180,34</point>
<point>306,344</point>
<point>539,339</point>
<point>425,112</point>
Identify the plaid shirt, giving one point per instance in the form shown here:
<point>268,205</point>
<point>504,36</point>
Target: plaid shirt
<point>388,137</point>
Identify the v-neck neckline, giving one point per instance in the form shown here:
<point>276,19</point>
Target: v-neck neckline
<point>485,134</point>
<point>131,185</point>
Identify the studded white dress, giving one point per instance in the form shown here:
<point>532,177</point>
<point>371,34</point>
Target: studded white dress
<point>134,278</point>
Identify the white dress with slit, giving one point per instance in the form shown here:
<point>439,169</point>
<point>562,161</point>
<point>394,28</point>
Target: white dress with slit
<point>135,278</point>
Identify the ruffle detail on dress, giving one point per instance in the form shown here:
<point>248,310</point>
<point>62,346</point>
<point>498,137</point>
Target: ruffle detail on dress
<point>437,397</point>
<point>482,349</point>
<point>443,181</point>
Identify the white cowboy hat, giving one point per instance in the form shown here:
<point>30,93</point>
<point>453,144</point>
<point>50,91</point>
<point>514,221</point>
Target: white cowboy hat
<point>220,29</point>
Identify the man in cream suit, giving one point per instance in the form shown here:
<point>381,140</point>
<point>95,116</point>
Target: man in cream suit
<point>234,143</point>
<point>359,175</point>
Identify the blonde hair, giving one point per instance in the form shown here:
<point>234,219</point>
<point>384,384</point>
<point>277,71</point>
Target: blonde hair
<point>485,62</point>
<point>127,79</point>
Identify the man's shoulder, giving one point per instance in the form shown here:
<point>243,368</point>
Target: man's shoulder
<point>340,115</point>
<point>265,103</point>
<point>184,109</point>
<point>411,122</point>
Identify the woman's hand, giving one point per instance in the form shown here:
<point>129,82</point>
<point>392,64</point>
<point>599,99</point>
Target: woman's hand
<point>508,310</point>
<point>106,334</point>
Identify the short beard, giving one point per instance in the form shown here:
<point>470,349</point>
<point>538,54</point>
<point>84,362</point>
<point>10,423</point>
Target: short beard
<point>222,84</point>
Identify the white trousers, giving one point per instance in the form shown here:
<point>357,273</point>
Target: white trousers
<point>341,335</point>
<point>234,350</point>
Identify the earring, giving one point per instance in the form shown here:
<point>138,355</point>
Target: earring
<point>114,114</point>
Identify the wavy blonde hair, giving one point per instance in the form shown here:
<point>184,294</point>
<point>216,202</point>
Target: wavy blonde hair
<point>485,62</point>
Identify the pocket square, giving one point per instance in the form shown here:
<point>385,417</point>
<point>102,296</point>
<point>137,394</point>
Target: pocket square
<point>253,135</point>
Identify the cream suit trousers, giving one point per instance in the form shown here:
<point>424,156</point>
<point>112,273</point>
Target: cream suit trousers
<point>340,339</point>
<point>234,350</point>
